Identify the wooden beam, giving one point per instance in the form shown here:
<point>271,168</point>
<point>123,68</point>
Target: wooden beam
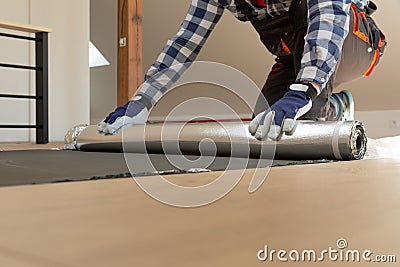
<point>130,48</point>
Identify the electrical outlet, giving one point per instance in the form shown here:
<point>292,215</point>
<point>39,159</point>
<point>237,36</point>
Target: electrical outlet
<point>122,42</point>
<point>394,123</point>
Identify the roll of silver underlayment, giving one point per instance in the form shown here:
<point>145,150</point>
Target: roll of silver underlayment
<point>312,140</point>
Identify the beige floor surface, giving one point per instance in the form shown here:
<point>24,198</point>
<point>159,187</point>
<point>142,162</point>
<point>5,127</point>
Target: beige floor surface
<point>29,146</point>
<point>114,223</point>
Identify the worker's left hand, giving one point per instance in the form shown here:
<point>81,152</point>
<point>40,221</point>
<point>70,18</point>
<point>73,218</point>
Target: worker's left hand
<point>281,117</point>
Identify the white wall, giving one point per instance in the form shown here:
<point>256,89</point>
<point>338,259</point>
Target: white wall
<point>14,81</point>
<point>68,66</point>
<point>103,80</point>
<point>380,123</point>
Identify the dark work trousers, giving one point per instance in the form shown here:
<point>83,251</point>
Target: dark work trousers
<point>284,36</point>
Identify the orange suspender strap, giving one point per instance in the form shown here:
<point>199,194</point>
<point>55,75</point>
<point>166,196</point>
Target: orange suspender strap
<point>285,47</point>
<point>382,41</point>
<point>359,34</point>
<point>363,37</point>
<point>373,64</point>
<point>362,14</point>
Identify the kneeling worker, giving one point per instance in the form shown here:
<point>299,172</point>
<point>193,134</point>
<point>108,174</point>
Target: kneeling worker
<point>318,44</point>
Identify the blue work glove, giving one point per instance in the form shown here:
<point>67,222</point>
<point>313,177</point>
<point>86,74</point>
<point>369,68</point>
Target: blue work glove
<point>281,117</point>
<point>134,112</point>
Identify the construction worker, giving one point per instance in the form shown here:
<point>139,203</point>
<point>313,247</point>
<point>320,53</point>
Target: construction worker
<point>318,44</point>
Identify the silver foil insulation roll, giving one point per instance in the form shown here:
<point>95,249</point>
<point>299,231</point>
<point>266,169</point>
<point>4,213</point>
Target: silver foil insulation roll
<point>324,140</point>
<point>311,141</point>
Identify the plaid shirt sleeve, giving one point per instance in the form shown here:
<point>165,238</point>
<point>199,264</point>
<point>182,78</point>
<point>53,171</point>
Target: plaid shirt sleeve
<point>328,27</point>
<point>184,47</point>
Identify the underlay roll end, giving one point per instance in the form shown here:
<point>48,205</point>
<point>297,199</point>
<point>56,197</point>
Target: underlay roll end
<point>358,141</point>
<point>70,139</point>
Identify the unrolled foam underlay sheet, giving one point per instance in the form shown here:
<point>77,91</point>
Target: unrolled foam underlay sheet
<point>49,166</point>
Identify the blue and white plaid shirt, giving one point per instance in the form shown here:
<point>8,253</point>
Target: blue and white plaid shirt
<point>328,27</point>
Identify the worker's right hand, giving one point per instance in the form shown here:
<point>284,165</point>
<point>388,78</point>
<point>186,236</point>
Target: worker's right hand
<point>134,112</point>
<point>281,117</point>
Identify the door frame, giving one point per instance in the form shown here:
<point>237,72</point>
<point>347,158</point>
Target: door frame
<point>130,47</point>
